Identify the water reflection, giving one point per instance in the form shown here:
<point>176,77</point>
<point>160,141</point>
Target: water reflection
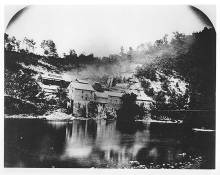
<point>99,141</point>
<point>78,142</point>
<point>89,143</point>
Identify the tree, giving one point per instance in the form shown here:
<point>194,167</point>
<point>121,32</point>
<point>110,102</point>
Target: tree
<point>129,109</point>
<point>148,71</point>
<point>21,85</point>
<point>49,48</point>
<point>30,44</point>
<point>61,94</point>
<point>11,44</point>
<point>98,87</point>
<point>158,43</point>
<point>160,101</point>
<point>128,99</point>
<point>71,57</point>
<point>130,53</point>
<point>165,40</point>
<point>72,52</point>
<point>161,42</point>
<point>6,41</point>
<point>178,42</point>
<point>122,51</point>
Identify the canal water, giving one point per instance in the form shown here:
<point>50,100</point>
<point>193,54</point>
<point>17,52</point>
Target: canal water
<point>104,144</point>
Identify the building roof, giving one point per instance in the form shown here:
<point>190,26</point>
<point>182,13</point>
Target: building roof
<point>114,94</point>
<point>81,86</point>
<point>122,85</point>
<point>101,94</point>
<point>82,81</point>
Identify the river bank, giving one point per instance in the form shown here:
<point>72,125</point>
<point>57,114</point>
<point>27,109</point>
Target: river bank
<point>53,116</point>
<point>58,115</point>
<point>188,162</point>
<point>149,120</point>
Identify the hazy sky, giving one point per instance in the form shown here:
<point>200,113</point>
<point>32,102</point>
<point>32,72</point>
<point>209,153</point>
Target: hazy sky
<point>101,30</point>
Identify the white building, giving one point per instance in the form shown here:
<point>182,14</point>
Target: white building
<point>142,98</point>
<point>114,99</point>
<point>80,94</point>
<point>101,97</point>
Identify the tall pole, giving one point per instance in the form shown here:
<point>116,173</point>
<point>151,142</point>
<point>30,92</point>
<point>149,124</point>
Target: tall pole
<point>86,109</point>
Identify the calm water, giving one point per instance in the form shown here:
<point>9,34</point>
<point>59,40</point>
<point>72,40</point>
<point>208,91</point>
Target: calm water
<point>38,143</point>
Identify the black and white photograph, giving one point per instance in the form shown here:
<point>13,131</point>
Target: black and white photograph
<point>110,86</point>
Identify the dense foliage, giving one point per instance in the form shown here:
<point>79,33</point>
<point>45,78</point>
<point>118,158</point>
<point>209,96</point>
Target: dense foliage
<point>129,110</point>
<point>192,57</point>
